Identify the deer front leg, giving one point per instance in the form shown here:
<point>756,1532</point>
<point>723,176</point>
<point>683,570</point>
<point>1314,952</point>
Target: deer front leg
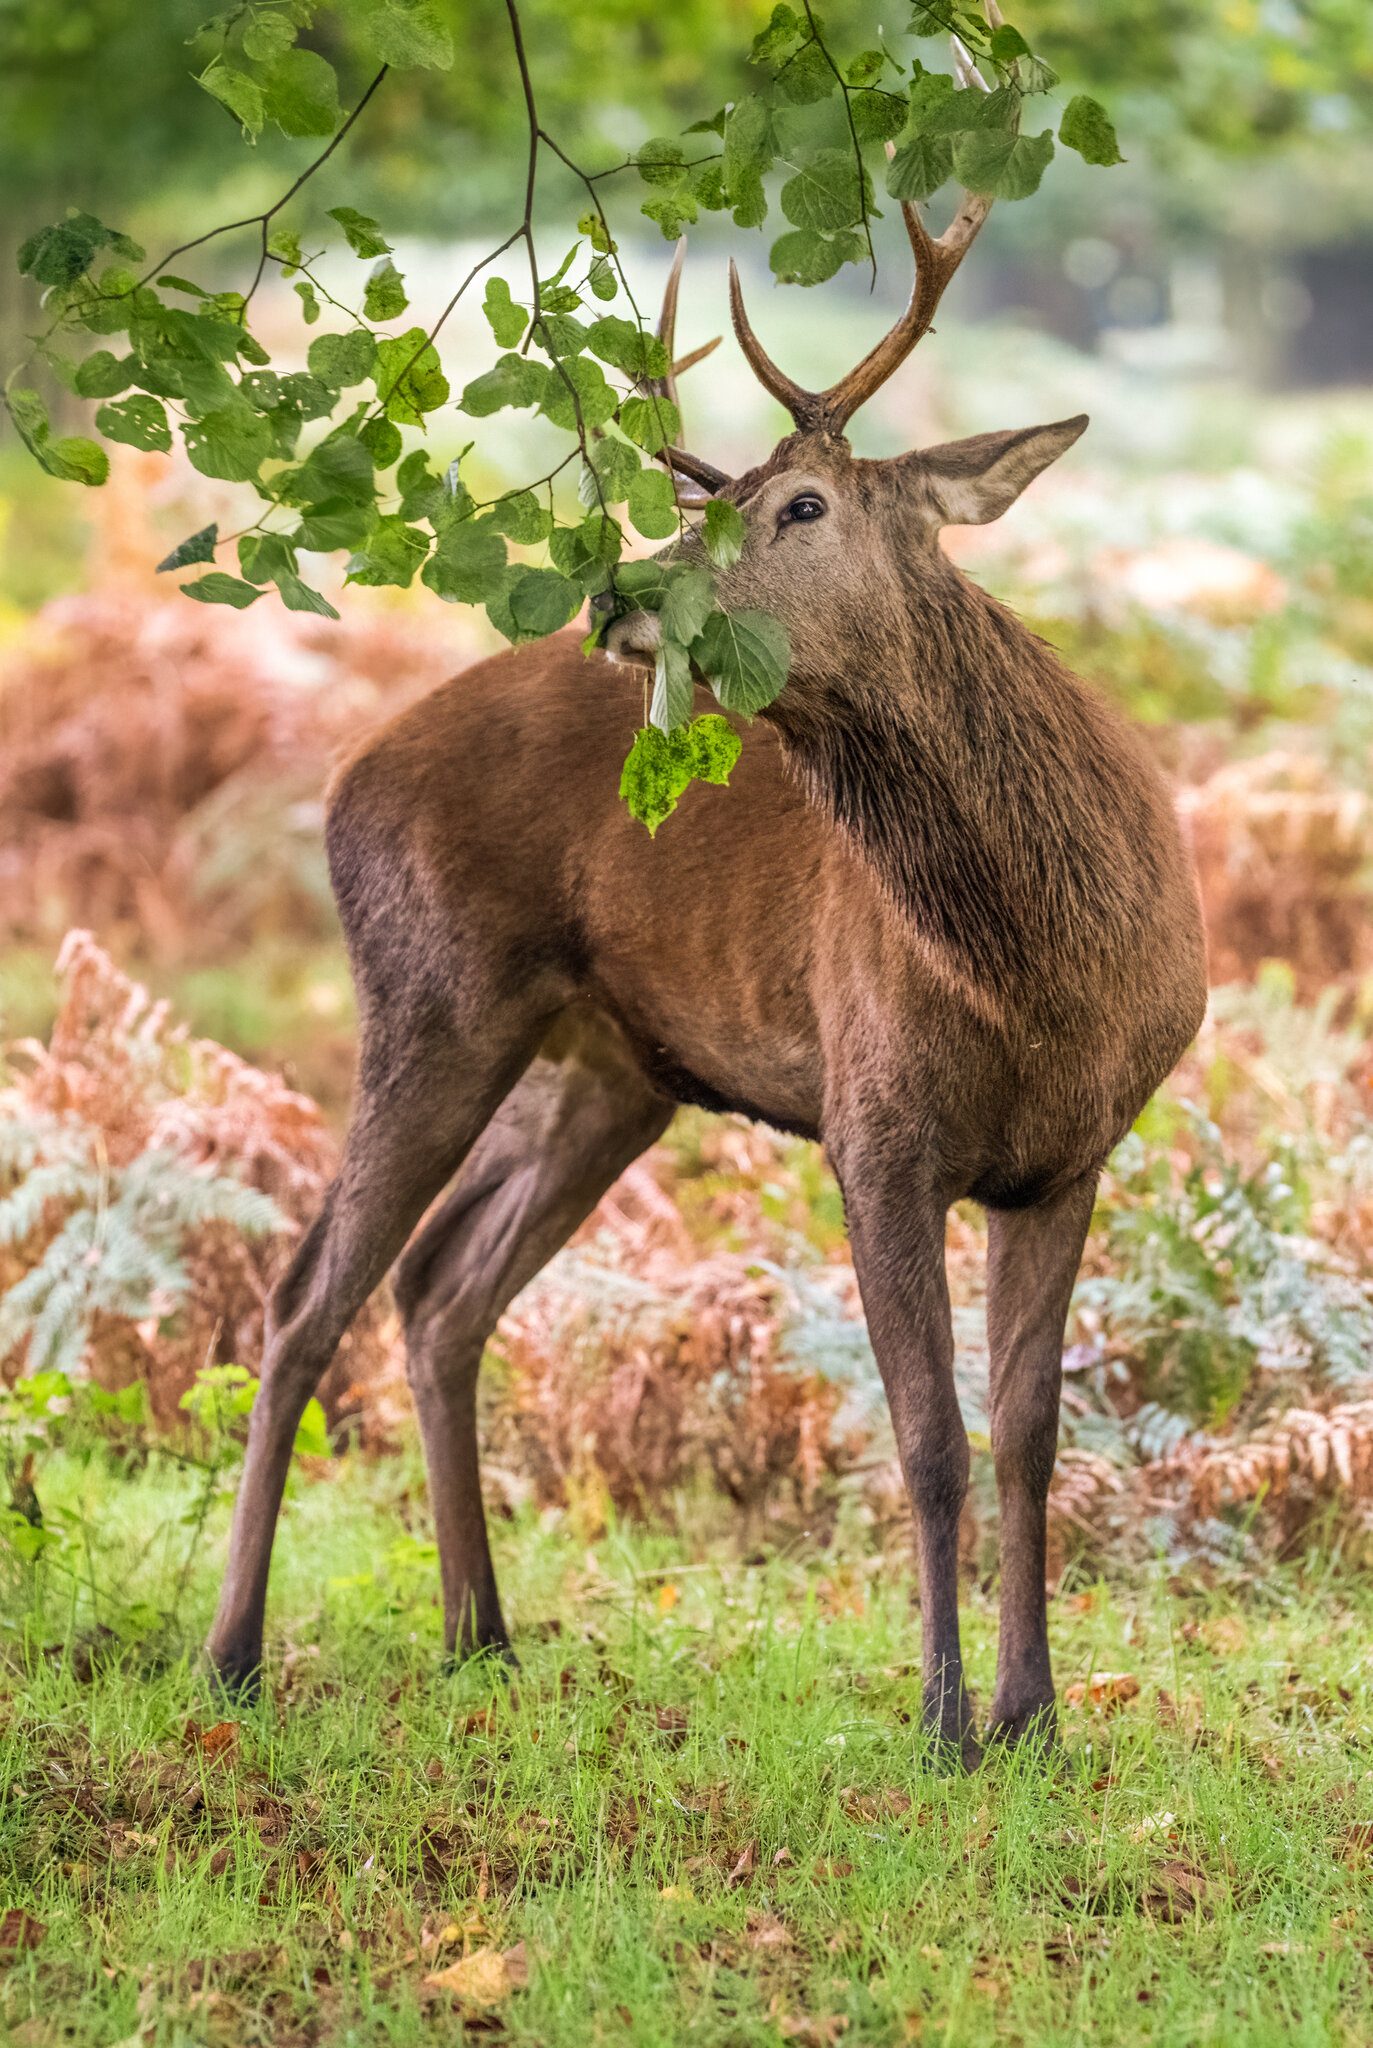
<point>1032,1262</point>
<point>897,1232</point>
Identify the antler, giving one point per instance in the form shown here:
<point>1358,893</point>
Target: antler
<point>936,260</point>
<point>677,461</point>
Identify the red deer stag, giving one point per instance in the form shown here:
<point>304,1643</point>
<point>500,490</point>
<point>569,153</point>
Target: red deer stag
<point>942,921</point>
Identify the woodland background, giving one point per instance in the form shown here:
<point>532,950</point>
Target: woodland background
<point>1206,556</point>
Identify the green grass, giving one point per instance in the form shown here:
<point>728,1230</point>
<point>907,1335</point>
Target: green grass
<point>704,1811</point>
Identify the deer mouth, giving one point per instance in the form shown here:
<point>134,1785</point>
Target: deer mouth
<point>634,638</point>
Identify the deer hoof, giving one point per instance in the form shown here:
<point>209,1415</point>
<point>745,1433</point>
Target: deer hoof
<point>1031,1727</point>
<point>492,1651</point>
<point>238,1678</point>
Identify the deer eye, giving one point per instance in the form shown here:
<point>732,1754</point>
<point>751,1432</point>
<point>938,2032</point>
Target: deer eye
<point>807,506</point>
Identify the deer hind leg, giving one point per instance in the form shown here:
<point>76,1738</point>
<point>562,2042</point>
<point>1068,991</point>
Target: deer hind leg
<point>576,1118</point>
<point>897,1229</point>
<point>423,1098</point>
<point>1032,1262</point>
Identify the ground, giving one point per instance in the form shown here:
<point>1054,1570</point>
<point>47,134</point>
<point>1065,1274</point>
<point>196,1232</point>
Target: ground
<point>698,1810</point>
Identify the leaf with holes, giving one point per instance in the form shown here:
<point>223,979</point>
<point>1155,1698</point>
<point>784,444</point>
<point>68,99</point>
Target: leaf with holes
<point>746,656</point>
<point>140,422</point>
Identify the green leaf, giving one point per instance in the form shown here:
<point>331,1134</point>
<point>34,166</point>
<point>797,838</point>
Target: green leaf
<point>364,236</point>
<point>340,467</point>
<point>659,161</point>
<point>515,380</point>
<point>300,93</point>
<point>541,601</point>
<point>339,360</point>
<point>748,152</point>
<point>825,193</point>
<point>309,304</point>
<point>390,556</point>
<point>312,1431</point>
<point>61,254</point>
<point>468,562</point>
<point>878,116</point>
<point>1007,166</point>
<point>240,94</point>
<point>602,279</point>
<point>803,257</point>
<point>559,335</point>
<point>624,344</point>
<point>1007,44</point>
<point>614,464</point>
<point>587,551</point>
<point>230,443</point>
<point>522,518</point>
<point>865,67</point>
<point>653,423</point>
<point>920,166</point>
<point>411,35</point>
<point>653,504</point>
<point>778,39</point>
<point>301,597</point>
<point>596,400</point>
<point>409,379</point>
<point>103,375</point>
<point>653,777</point>
<point>674,693</point>
<point>266,36</point>
<point>76,460</point>
<point>384,295</point>
<point>723,532</point>
<point>217,588</point>
<point>284,244</point>
<point>507,320</point>
<point>262,557</point>
<point>141,422</point>
<point>688,600</point>
<point>746,656</point>
<point>332,525</point>
<point>713,747</point>
<point>383,442</point>
<point>808,78</point>
<point>673,211</point>
<point>1086,127</point>
<point>200,547</point>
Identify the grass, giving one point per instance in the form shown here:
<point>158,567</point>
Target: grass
<point>700,1811</point>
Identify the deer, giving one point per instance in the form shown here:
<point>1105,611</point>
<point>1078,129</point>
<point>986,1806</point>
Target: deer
<point>941,921</point>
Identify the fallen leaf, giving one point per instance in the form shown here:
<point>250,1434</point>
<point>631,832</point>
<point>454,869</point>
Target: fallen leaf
<point>765,1930</point>
<point>1181,1888</point>
<point>744,1865</point>
<point>216,1745</point>
<point>485,1977</point>
<point>1105,1691</point>
<point>668,1596</point>
<point>19,1930</point>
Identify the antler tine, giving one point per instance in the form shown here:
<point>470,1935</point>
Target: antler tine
<point>692,466</point>
<point>936,260</point>
<point>805,407</point>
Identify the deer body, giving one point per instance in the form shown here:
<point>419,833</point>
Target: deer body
<point>941,920</point>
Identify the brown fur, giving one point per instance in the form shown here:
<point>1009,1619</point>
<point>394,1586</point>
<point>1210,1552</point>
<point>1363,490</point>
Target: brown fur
<point>941,920</point>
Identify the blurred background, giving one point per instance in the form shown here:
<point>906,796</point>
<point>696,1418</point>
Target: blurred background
<point>1205,555</point>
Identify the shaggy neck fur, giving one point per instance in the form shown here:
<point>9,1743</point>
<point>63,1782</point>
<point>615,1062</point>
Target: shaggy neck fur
<point>1012,817</point>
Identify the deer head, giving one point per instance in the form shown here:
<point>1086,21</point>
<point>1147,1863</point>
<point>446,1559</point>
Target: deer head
<point>842,549</point>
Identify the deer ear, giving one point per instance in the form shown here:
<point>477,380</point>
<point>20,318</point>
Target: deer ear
<point>978,479</point>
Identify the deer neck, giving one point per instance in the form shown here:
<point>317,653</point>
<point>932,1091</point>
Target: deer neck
<point>1008,813</point>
